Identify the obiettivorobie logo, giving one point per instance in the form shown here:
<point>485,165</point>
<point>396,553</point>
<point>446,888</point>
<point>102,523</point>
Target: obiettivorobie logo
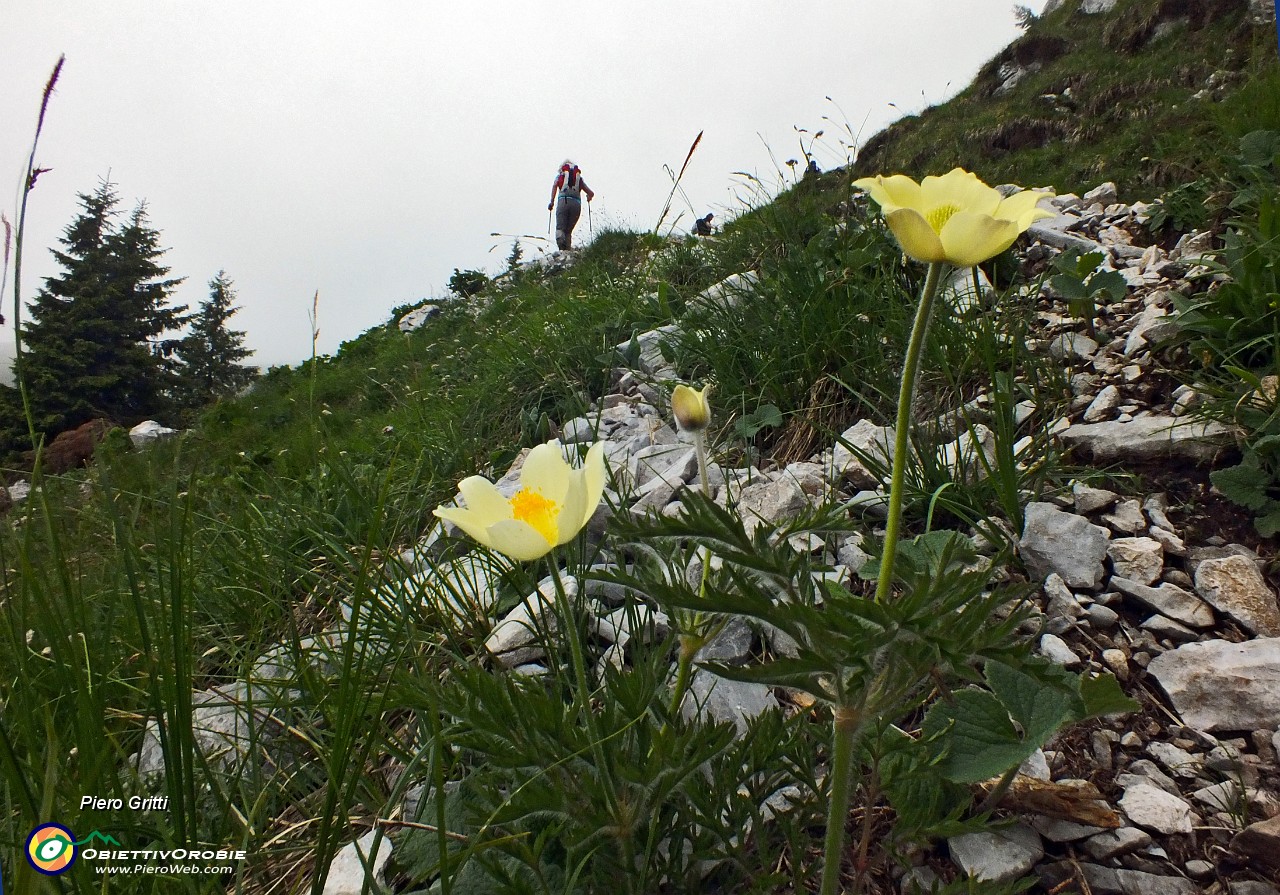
<point>51,848</point>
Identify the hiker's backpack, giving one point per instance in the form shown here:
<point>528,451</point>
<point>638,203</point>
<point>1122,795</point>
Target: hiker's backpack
<point>570,178</point>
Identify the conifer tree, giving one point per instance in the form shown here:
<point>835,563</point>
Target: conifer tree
<point>93,344</point>
<point>211,353</point>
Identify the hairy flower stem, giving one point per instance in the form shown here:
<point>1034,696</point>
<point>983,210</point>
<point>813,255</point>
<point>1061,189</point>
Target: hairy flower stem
<point>696,636</point>
<point>569,625</point>
<point>901,441</point>
<point>848,721</point>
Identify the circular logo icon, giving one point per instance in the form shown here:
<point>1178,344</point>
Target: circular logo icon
<point>51,849</point>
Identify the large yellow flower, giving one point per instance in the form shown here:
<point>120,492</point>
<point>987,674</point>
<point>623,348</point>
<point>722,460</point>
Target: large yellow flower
<point>955,218</point>
<point>554,502</point>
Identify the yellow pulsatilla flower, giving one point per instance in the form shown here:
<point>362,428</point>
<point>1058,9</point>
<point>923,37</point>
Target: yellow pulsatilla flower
<point>553,503</point>
<point>690,408</point>
<point>956,218</point>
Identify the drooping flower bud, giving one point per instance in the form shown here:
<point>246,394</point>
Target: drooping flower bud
<point>692,412</point>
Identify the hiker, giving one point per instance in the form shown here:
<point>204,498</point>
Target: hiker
<point>568,188</point>
<point>702,226</point>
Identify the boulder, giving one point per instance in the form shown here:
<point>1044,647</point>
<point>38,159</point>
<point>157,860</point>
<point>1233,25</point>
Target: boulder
<point>1219,685</point>
<point>74,447</point>
<point>148,433</point>
<point>1152,437</point>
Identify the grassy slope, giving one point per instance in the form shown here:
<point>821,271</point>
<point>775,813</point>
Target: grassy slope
<point>1130,116</point>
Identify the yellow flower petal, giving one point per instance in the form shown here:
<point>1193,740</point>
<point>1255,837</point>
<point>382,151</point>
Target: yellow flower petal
<point>960,189</point>
<point>593,472</point>
<point>573,509</point>
<point>483,499</point>
<point>475,525</point>
<point>895,191</point>
<point>915,235</point>
<point>969,239</point>
<point>552,505</point>
<point>546,472</point>
<point>518,540</point>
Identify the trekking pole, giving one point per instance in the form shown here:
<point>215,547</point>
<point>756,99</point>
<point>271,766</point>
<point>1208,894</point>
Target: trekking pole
<point>590,230</point>
<point>549,213</point>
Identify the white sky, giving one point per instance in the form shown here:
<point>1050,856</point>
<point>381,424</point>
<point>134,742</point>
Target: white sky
<point>366,150</point>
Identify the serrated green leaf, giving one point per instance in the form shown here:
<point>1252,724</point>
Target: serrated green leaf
<point>1102,695</point>
<point>1039,709</point>
<point>1268,524</point>
<point>1068,286</point>
<point>1109,283</point>
<point>1244,484</point>
<point>982,742</point>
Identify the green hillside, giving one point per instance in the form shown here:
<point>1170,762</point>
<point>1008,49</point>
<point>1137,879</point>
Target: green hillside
<point>1145,95</point>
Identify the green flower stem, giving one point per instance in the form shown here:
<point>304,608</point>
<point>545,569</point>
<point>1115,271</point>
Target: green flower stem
<point>901,441</point>
<point>582,699</point>
<point>848,720</point>
<point>689,646</point>
<point>695,637</point>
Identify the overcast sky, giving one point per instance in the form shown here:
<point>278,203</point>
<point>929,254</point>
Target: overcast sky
<point>366,150</point>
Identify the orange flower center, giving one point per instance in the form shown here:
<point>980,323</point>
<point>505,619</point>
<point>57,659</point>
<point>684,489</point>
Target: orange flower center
<point>531,507</point>
<point>939,216</point>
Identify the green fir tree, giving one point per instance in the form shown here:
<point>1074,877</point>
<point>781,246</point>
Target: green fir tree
<point>93,345</point>
<point>210,353</point>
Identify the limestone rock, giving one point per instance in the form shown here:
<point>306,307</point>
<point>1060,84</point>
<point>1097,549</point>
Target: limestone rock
<point>1154,809</point>
<point>355,863</point>
<point>720,699</point>
<point>863,439</point>
<point>1218,685</point>
<point>1169,600</point>
<point>1260,842</point>
<point>1234,586</point>
<point>1150,437</point>
<point>997,856</point>
<point>1136,559</point>
<point>149,432</point>
<point>1057,541</point>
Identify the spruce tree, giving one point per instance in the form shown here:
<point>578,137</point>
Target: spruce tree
<point>210,353</point>
<point>93,345</point>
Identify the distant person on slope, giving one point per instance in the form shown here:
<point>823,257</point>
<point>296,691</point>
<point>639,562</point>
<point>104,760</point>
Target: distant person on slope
<point>702,226</point>
<point>568,188</point>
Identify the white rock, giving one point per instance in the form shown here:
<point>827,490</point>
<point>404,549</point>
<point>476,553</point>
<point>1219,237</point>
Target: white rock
<point>347,873</point>
<point>1234,586</point>
<point>997,856</point>
<point>1149,438</point>
<point>1055,649</point>
<point>1057,541</point>
<point>1137,559</point>
<point>1219,685</point>
<point>1169,600</point>
<point>1154,809</point>
<point>864,438</point>
<point>148,433</point>
<point>1090,500</point>
<point>1102,405</point>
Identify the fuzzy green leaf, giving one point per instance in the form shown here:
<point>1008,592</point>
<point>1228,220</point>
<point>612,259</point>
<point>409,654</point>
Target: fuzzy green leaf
<point>1268,524</point>
<point>983,742</point>
<point>1039,709</point>
<point>1102,695</point>
<point>1245,484</point>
